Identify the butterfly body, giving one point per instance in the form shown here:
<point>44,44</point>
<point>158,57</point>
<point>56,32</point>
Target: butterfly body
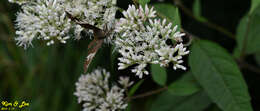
<point>99,34</point>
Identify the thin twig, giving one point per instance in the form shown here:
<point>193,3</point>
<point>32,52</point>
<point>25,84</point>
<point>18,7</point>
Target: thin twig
<point>244,64</point>
<point>147,94</point>
<point>208,23</point>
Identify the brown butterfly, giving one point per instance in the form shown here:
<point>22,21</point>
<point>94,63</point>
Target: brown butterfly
<point>96,43</point>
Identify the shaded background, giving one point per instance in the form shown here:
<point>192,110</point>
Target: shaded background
<point>45,76</point>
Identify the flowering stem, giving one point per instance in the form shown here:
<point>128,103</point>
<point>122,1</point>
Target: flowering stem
<point>147,93</point>
<point>208,23</point>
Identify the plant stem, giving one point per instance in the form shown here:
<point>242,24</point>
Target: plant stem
<point>244,64</point>
<point>147,94</point>
<point>243,52</point>
<point>208,23</point>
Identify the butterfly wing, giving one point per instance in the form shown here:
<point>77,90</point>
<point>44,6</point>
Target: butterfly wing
<point>93,47</point>
<point>88,26</point>
<point>98,33</point>
<point>82,24</point>
<point>71,17</point>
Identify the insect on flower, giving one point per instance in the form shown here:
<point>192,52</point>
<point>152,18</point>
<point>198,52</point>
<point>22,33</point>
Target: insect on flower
<point>96,43</point>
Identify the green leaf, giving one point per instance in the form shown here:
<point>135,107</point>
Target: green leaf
<point>143,2</point>
<point>186,85</point>
<point>113,54</point>
<point>248,34</point>
<point>254,5</point>
<point>197,11</point>
<point>135,87</point>
<point>169,102</point>
<point>159,74</point>
<point>196,8</point>
<point>170,12</point>
<point>219,76</point>
<point>177,18</point>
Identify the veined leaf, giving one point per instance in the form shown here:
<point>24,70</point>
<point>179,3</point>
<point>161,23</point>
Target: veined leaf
<point>159,74</point>
<point>248,34</point>
<point>135,87</point>
<point>169,102</point>
<point>219,76</point>
<point>186,85</point>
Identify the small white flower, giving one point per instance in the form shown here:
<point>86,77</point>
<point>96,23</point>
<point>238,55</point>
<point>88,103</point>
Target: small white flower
<point>142,39</point>
<point>94,91</point>
<point>125,82</point>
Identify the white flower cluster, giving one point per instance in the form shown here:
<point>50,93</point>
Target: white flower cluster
<point>43,19</point>
<point>94,91</point>
<point>100,13</point>
<point>47,20</point>
<point>143,39</point>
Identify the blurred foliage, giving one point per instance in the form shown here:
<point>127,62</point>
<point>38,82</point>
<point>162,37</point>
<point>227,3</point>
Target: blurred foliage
<point>43,76</point>
<point>215,80</point>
